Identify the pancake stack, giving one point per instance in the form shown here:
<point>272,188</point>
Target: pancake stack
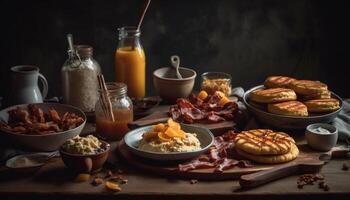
<point>266,146</point>
<point>288,96</point>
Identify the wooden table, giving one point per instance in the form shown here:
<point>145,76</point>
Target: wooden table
<point>54,181</point>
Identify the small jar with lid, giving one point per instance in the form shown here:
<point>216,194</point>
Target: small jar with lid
<point>79,78</point>
<point>216,81</point>
<point>122,109</point>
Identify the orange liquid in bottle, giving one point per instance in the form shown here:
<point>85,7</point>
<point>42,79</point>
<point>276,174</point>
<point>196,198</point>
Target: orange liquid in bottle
<point>114,130</point>
<point>130,68</point>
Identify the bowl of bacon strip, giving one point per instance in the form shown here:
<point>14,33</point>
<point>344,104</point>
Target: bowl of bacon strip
<point>41,126</point>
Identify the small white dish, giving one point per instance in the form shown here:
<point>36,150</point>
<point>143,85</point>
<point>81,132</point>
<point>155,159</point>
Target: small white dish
<point>204,135</point>
<point>321,141</point>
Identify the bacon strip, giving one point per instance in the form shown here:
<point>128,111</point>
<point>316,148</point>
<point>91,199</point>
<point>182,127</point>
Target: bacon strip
<point>194,109</point>
<point>33,121</point>
<point>217,156</point>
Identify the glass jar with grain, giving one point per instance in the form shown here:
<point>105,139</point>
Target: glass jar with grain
<point>216,81</point>
<point>122,109</point>
<point>79,78</point>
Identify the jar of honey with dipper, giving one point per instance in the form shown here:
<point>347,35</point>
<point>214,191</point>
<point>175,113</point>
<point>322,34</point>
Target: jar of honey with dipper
<point>114,110</point>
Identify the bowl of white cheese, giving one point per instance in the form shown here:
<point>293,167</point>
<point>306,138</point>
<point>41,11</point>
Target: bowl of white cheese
<point>321,136</point>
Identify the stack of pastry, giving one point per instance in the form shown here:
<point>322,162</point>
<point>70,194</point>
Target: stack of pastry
<point>288,96</point>
<point>266,146</point>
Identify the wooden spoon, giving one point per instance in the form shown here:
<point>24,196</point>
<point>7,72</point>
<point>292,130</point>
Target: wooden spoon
<point>310,164</point>
<point>175,62</point>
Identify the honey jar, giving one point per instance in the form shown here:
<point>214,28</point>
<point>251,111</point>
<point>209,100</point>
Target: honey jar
<point>122,109</point>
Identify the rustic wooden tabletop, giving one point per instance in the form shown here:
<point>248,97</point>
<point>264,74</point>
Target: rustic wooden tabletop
<point>54,181</point>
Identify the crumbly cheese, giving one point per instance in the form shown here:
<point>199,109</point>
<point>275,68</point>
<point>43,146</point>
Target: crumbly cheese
<point>190,143</point>
<point>82,145</point>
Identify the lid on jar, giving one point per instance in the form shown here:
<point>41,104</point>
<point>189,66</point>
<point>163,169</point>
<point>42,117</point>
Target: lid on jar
<point>115,88</point>
<point>84,51</point>
<point>128,31</point>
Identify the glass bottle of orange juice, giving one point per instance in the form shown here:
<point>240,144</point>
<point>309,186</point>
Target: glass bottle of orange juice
<point>130,61</point>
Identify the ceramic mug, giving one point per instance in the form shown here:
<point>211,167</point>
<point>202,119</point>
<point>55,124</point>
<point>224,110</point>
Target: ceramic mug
<point>24,85</point>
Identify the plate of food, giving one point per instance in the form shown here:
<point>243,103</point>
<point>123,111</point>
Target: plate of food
<point>287,103</point>
<point>41,126</point>
<point>169,142</point>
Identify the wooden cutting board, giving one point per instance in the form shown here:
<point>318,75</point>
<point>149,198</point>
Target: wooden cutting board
<point>307,158</point>
<point>160,115</point>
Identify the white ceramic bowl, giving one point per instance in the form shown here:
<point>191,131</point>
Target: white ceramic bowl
<point>204,135</point>
<point>48,142</point>
<point>321,142</point>
<point>169,88</point>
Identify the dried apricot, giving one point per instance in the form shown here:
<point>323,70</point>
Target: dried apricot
<point>150,135</point>
<point>112,186</point>
<point>171,132</point>
<point>162,136</point>
<point>82,178</point>
<point>202,95</point>
<point>223,101</point>
<point>159,127</point>
<point>173,124</point>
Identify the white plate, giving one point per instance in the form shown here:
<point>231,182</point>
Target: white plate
<point>204,135</point>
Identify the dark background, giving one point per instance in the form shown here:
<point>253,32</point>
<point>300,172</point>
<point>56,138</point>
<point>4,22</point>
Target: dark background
<point>250,39</point>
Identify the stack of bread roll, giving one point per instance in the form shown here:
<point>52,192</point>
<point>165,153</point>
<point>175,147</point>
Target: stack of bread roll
<point>288,96</point>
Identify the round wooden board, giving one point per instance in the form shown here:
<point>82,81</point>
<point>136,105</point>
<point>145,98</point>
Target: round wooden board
<point>171,169</point>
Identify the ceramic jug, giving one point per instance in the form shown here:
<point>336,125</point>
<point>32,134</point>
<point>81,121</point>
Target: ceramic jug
<point>24,85</point>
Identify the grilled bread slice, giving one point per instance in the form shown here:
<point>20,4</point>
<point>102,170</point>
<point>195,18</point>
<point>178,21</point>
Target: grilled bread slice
<point>322,105</point>
<point>278,81</point>
<point>307,87</point>
<point>290,108</point>
<point>319,95</point>
<point>272,159</point>
<point>272,95</point>
<point>263,142</point>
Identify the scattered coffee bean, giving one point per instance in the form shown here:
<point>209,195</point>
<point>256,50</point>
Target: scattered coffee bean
<point>326,188</point>
<point>116,178</point>
<point>311,179</point>
<point>193,181</point>
<point>319,177</point>
<point>124,181</point>
<point>345,167</point>
<point>321,184</point>
<point>109,174</point>
<point>97,181</point>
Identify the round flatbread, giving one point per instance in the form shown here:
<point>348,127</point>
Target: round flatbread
<point>278,81</point>
<point>263,142</point>
<point>290,108</point>
<point>272,159</point>
<point>307,87</point>
<point>322,105</point>
<point>272,95</point>
<point>319,95</point>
